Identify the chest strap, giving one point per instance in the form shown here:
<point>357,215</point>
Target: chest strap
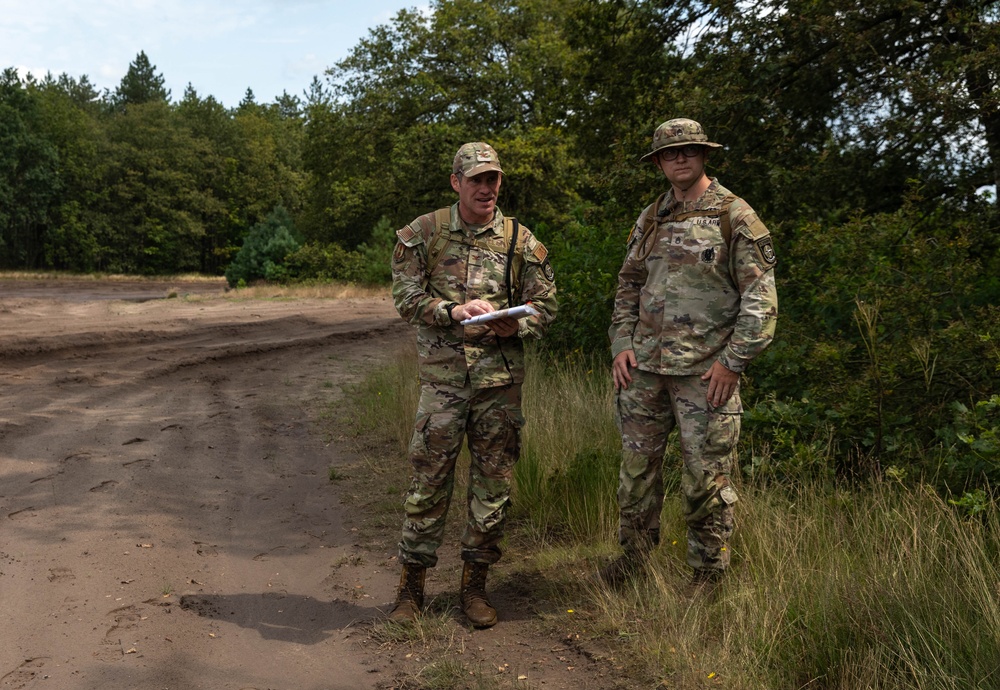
<point>652,219</point>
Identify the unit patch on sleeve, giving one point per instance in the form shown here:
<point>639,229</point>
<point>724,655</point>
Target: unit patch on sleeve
<point>765,251</point>
<point>548,272</point>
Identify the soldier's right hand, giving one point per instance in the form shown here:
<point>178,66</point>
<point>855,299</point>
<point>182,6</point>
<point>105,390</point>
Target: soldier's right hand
<point>471,308</point>
<point>620,373</point>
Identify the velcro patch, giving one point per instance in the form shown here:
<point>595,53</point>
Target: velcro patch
<point>540,252</point>
<point>756,229</point>
<point>406,234</point>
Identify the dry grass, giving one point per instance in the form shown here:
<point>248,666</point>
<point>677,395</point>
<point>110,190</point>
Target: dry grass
<point>62,275</point>
<point>310,291</point>
<point>884,586</point>
<point>260,291</point>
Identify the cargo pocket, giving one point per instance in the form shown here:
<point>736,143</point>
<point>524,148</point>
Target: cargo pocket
<point>418,442</point>
<point>723,434</point>
<point>514,419</point>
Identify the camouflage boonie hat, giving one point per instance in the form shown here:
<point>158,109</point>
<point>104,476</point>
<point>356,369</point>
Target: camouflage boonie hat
<point>475,158</point>
<point>678,132</point>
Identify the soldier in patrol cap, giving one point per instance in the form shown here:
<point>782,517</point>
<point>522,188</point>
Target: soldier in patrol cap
<point>696,302</point>
<point>450,265</point>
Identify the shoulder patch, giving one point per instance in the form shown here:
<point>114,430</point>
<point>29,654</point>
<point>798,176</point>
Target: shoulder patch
<point>765,251</point>
<point>409,236</point>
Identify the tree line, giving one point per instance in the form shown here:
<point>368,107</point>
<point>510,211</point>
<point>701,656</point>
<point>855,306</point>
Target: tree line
<point>863,136</point>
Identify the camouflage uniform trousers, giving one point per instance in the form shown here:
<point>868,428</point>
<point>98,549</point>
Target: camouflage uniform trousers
<point>491,419</point>
<point>648,410</point>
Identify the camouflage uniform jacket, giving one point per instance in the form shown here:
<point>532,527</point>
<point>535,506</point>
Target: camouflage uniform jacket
<point>685,298</point>
<point>469,267</point>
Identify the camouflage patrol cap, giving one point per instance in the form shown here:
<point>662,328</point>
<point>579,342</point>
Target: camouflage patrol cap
<point>679,132</point>
<point>475,158</point>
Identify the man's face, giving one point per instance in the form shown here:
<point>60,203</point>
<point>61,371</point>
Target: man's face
<point>686,168</point>
<point>477,196</point>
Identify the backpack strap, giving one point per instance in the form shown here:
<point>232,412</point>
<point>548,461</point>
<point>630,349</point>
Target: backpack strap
<point>510,228</point>
<point>722,213</point>
<point>442,222</point>
<point>648,226</point>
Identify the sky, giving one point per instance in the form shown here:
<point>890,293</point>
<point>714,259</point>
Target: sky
<point>221,47</point>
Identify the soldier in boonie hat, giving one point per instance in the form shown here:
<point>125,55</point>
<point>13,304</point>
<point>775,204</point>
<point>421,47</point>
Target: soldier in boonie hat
<point>475,158</point>
<point>696,303</point>
<point>679,132</point>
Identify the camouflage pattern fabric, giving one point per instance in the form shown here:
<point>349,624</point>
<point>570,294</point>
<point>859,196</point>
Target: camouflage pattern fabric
<point>678,132</point>
<point>647,411</point>
<point>470,377</point>
<point>686,299</point>
<point>471,267</point>
<point>492,420</point>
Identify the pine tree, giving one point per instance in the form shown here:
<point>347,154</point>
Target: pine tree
<point>141,84</point>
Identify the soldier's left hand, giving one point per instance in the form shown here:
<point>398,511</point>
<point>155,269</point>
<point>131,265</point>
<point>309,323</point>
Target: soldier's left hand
<point>504,327</point>
<point>721,384</point>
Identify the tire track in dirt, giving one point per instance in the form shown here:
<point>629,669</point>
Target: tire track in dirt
<point>165,518</point>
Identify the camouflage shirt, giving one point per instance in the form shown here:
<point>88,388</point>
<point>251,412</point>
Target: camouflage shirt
<point>685,299</point>
<point>469,266</point>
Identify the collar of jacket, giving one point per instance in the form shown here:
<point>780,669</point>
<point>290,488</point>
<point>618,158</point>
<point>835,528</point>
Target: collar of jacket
<point>459,226</point>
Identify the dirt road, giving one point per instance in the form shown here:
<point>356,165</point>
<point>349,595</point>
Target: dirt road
<point>158,453</point>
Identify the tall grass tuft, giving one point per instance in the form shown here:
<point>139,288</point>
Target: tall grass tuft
<point>880,587</point>
<point>567,477</point>
<point>385,401</point>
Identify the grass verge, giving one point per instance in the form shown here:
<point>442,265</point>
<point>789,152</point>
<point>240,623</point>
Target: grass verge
<point>884,585</point>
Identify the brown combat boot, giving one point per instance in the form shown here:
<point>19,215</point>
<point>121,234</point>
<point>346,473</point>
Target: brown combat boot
<point>410,597</point>
<point>705,582</point>
<point>475,604</point>
<point>623,569</point>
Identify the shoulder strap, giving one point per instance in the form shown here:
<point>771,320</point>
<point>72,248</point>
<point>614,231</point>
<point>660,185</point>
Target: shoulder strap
<point>725,224</point>
<point>510,228</point>
<point>442,222</point>
<point>722,213</point>
<point>648,226</point>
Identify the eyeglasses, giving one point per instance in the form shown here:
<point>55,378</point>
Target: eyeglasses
<point>689,151</point>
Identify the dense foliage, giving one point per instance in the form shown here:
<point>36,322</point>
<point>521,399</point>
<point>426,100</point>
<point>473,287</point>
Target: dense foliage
<point>862,136</point>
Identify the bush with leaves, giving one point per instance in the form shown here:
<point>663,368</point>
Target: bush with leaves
<point>323,261</point>
<point>886,323</point>
<point>586,259</point>
<point>376,254</point>
<point>264,251</point>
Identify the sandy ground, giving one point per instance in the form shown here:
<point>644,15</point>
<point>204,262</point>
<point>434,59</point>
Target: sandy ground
<point>166,516</point>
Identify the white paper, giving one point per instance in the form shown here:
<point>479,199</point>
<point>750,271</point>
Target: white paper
<point>514,313</point>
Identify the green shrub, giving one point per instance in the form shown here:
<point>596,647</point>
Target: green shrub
<point>319,261</point>
<point>586,260</point>
<point>264,250</point>
<point>376,254</point>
